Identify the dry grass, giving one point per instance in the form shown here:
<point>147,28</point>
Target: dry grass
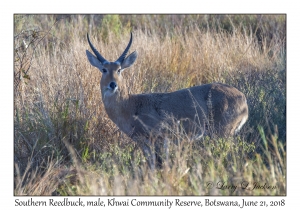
<point>65,144</point>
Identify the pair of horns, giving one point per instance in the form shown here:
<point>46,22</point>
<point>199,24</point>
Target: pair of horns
<point>103,60</point>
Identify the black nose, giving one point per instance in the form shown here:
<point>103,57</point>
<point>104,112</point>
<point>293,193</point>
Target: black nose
<point>113,85</point>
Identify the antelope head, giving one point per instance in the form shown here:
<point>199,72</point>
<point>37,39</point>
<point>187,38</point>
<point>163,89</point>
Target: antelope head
<point>111,79</point>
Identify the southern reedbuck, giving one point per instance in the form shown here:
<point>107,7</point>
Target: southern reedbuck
<point>195,108</point>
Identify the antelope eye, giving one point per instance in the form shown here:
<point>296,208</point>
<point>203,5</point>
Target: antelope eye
<point>104,70</point>
<point>119,71</point>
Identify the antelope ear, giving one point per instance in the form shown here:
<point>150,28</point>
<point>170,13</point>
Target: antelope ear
<point>129,60</point>
<point>94,61</point>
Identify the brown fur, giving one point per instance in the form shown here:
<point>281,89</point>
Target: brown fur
<point>213,109</point>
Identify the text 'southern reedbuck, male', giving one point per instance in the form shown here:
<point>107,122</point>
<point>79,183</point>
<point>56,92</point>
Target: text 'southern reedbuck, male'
<point>194,108</point>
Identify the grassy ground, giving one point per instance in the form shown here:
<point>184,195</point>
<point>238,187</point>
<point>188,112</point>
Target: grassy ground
<point>65,144</point>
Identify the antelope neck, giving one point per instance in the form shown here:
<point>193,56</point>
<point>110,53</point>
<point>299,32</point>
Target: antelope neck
<point>118,104</point>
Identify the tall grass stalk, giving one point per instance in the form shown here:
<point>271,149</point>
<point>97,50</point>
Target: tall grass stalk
<point>65,144</point>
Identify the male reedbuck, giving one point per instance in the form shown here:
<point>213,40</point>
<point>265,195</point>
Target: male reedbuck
<point>139,115</point>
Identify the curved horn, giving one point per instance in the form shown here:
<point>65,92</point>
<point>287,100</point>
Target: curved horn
<point>99,56</point>
<point>122,57</point>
